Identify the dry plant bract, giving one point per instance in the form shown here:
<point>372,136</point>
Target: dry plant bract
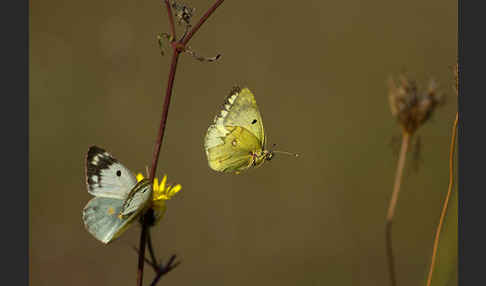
<point>411,106</point>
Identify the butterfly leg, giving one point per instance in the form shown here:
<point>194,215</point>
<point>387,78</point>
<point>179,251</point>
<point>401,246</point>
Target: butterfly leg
<point>253,161</point>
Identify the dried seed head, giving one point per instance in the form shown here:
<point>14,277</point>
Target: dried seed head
<point>409,105</point>
<point>183,12</point>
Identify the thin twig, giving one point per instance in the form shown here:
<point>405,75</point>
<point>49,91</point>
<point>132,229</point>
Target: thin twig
<point>151,249</point>
<point>160,269</point>
<point>201,58</point>
<point>141,256</point>
<point>154,266</point>
<point>393,202</point>
<point>165,112</point>
<point>203,19</point>
<point>155,159</point>
<point>446,201</point>
<point>171,20</point>
<point>177,47</point>
<point>165,269</point>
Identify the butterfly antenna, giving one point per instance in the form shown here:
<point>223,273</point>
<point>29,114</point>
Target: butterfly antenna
<point>286,153</point>
<point>283,152</point>
<point>147,171</point>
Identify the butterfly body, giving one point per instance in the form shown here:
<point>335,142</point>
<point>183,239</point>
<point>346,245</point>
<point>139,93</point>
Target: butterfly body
<point>236,140</point>
<point>119,198</point>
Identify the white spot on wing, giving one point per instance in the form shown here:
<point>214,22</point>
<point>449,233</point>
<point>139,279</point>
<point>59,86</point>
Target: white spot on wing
<point>95,160</point>
<point>217,131</point>
<point>232,98</point>
<point>95,179</point>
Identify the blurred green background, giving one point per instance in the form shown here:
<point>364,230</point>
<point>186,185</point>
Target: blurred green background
<point>319,72</point>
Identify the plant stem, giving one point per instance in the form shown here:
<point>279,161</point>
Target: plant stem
<point>393,202</point>
<point>177,47</point>
<point>171,19</point>
<point>203,19</point>
<point>141,255</point>
<point>165,112</point>
<point>446,201</point>
<point>155,159</point>
<point>168,267</point>
<point>151,249</point>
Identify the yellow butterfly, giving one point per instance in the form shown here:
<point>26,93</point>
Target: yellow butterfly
<point>236,140</point>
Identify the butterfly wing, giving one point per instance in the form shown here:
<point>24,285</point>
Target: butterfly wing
<point>101,218</point>
<point>138,198</point>
<point>234,155</point>
<point>243,111</point>
<point>106,177</point>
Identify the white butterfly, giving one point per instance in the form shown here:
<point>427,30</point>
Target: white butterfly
<point>118,200</point>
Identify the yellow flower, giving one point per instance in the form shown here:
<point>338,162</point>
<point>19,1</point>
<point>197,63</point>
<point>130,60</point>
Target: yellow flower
<point>161,193</point>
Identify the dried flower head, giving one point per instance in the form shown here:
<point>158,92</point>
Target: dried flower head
<point>411,106</point>
<point>183,12</point>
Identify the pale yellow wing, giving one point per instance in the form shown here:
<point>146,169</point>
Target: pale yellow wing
<point>239,109</point>
<point>234,154</point>
<point>243,111</point>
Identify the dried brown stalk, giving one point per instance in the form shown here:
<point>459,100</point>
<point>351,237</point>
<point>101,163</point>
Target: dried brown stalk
<point>393,202</point>
<point>446,202</point>
<point>450,187</point>
<point>412,108</point>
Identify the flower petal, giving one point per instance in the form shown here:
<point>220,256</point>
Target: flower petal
<point>156,185</point>
<point>175,190</point>
<point>162,184</point>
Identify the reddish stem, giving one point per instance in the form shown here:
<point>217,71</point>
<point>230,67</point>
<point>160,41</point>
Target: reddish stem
<point>141,256</point>
<point>155,160</point>
<point>165,112</point>
<point>177,47</point>
<point>203,19</point>
<point>171,19</point>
